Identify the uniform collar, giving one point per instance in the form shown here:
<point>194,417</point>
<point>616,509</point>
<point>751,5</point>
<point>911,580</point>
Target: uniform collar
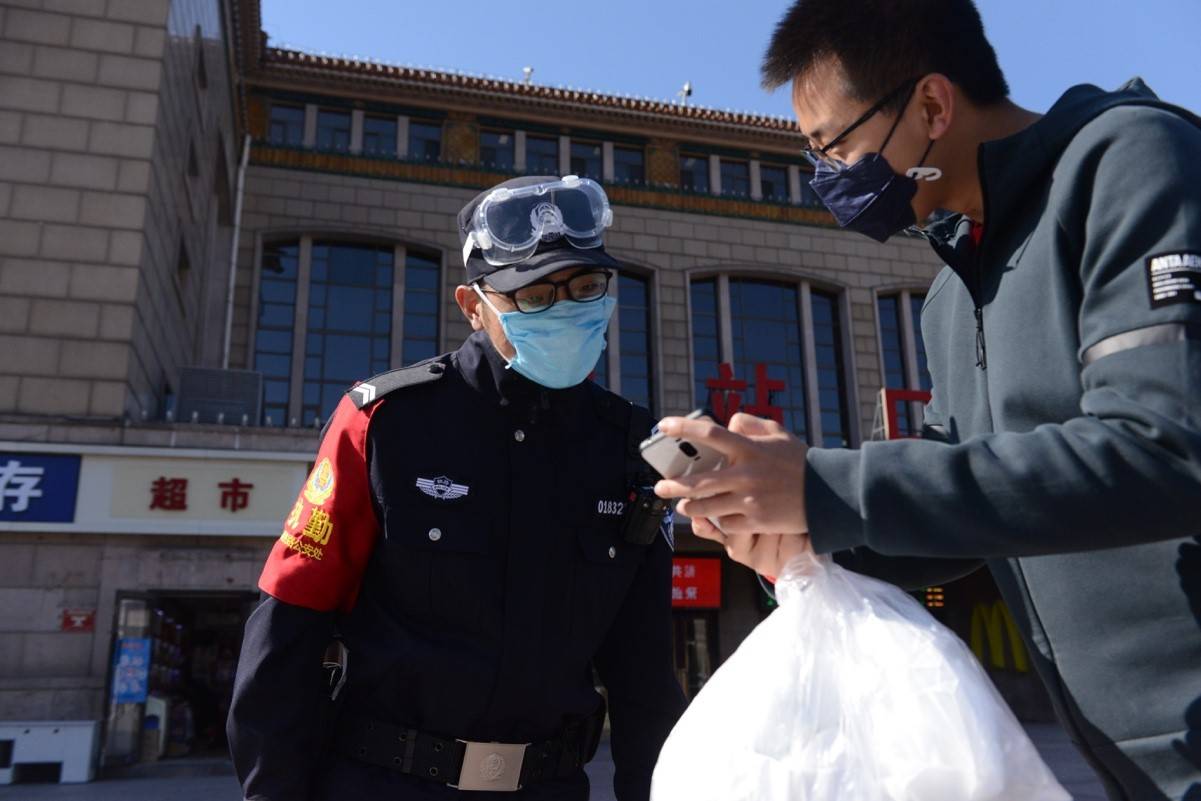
<point>486,371</point>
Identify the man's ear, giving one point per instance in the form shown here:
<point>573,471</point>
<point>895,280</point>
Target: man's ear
<point>937,96</point>
<point>469,304</point>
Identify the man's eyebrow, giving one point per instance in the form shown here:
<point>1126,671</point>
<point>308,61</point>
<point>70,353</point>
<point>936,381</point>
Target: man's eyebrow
<point>814,137</point>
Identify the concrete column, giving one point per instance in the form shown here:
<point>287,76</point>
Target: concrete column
<point>714,175</point>
<point>756,181</point>
<point>519,151</point>
<point>402,137</point>
<point>613,351</point>
<point>850,369</point>
<point>564,155</point>
<point>724,323</point>
<point>794,184</point>
<point>252,321</point>
<point>813,401</point>
<point>909,352</point>
<point>310,125</point>
<point>300,326</point>
<point>398,307</point>
<point>908,341</point>
<point>607,162</point>
<point>356,131</point>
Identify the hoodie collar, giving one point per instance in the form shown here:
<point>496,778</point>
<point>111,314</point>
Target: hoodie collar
<point>1011,168</point>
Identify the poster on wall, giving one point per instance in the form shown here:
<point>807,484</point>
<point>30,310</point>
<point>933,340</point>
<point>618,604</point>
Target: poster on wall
<point>131,670</point>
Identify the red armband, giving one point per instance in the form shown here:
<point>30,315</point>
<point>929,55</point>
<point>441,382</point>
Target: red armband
<point>319,559</point>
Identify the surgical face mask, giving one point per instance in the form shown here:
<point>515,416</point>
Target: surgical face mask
<point>559,347</point>
<point>868,197</point>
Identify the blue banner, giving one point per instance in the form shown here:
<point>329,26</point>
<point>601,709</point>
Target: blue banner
<point>38,487</point>
<point>131,670</point>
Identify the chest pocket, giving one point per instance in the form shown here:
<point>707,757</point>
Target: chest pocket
<point>605,564</point>
<point>442,559</point>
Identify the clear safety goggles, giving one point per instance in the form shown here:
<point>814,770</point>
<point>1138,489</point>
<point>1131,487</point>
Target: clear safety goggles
<point>508,224</point>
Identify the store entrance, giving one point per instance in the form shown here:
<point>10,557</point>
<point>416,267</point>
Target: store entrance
<point>174,655</point>
<point>695,641</point>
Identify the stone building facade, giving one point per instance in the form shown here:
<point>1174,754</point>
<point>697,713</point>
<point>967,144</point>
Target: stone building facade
<point>176,193</point>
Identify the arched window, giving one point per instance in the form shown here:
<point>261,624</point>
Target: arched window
<point>626,366</point>
<point>348,337</point>
<point>274,327</point>
<point>333,311</point>
<point>772,348</point>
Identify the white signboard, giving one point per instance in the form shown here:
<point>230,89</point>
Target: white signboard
<point>165,491</point>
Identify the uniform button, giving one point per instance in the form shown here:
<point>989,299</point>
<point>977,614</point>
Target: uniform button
<point>519,435</point>
<point>612,552</point>
<point>435,534</point>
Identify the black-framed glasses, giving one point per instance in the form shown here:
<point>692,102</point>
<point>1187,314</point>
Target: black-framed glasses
<point>583,287</point>
<point>816,156</point>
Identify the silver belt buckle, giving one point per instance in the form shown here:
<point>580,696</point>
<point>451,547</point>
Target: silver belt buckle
<point>491,766</point>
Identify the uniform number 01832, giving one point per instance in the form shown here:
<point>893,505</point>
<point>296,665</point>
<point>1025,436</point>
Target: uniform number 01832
<point>610,507</point>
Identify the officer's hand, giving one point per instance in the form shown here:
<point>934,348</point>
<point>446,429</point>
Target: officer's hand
<point>763,553</point>
<point>762,486</point>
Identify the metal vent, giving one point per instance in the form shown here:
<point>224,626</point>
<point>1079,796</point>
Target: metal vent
<point>209,395</point>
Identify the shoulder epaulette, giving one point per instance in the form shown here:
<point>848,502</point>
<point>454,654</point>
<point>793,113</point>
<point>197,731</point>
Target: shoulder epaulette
<point>368,392</point>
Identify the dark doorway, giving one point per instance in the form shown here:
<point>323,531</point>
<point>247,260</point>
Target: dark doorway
<point>172,673</point>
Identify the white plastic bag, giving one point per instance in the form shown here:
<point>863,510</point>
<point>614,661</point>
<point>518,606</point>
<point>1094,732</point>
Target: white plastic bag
<point>850,691</point>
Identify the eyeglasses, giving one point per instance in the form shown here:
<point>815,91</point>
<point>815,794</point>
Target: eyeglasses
<point>816,156</point>
<point>583,287</point>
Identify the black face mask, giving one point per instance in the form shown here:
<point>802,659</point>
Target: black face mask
<point>868,197</point>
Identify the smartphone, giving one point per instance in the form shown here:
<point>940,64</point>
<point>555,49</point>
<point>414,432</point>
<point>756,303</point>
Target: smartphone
<point>674,457</point>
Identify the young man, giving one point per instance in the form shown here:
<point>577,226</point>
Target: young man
<point>1063,442</point>
<point>468,536</point>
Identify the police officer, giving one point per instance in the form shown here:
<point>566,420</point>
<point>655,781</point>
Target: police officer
<point>1063,441</point>
<point>477,535</point>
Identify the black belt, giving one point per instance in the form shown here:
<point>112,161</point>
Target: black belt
<point>468,765</point>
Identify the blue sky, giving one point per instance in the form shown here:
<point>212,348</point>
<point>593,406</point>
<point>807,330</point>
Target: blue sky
<point>651,47</point>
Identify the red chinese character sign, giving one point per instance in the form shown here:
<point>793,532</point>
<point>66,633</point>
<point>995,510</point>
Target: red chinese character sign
<point>169,494</point>
<point>725,394</point>
<point>235,494</point>
<point>696,583</point>
<point>890,399</point>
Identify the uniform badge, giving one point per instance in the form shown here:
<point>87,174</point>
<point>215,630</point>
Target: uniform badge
<point>442,488</point>
<point>321,483</point>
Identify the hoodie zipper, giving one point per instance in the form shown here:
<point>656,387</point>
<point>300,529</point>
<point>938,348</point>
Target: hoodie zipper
<point>981,349</point>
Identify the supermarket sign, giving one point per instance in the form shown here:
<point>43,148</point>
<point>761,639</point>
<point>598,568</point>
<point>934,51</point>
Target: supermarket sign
<point>129,490</point>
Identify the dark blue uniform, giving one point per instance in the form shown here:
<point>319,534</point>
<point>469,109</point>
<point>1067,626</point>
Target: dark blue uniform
<point>461,534</point>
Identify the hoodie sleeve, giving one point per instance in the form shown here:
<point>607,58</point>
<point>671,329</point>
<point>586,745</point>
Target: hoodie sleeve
<point>1125,470</point>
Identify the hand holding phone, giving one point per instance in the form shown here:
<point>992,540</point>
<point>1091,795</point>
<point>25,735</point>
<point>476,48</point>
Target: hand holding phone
<point>674,456</point>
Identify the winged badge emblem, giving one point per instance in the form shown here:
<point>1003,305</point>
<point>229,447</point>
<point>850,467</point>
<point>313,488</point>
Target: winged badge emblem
<point>442,488</point>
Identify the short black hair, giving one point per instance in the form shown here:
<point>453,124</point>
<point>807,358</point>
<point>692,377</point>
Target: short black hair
<point>880,43</point>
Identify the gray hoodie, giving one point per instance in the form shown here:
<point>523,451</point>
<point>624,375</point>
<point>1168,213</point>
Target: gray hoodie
<point>1064,436</point>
